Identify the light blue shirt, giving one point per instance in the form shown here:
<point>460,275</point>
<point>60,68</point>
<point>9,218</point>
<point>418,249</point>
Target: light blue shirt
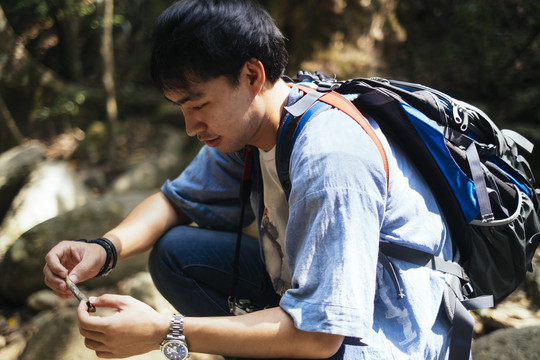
<point>339,210</point>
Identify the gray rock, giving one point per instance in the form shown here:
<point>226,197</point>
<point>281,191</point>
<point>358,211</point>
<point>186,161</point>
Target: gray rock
<point>13,350</point>
<point>508,344</point>
<point>21,269</point>
<point>15,166</point>
<point>141,287</point>
<point>43,300</point>
<point>52,189</point>
<point>532,280</point>
<point>175,152</point>
<point>59,337</point>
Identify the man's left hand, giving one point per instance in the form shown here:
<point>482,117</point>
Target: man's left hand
<point>135,328</point>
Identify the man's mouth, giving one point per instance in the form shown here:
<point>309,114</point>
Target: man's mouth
<point>212,142</point>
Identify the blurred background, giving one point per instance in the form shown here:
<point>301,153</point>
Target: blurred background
<point>80,66</point>
<point>84,135</point>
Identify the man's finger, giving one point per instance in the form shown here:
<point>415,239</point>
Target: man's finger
<point>57,285</point>
<point>95,336</point>
<point>111,301</point>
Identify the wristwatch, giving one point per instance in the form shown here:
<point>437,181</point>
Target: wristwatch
<point>174,346</point>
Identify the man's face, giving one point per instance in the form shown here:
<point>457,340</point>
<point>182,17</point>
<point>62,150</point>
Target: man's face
<point>221,115</point>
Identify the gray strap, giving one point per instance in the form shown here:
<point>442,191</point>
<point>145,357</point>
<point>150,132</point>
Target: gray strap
<point>479,183</point>
<point>422,258</point>
<point>462,321</point>
<point>462,333</point>
<point>519,139</point>
<point>479,302</point>
<point>304,104</point>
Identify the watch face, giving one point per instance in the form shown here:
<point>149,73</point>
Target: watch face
<point>175,350</point>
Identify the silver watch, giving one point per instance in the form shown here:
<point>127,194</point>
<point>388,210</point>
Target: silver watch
<point>174,346</point>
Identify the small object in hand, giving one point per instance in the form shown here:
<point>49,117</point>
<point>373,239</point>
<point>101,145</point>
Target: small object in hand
<point>79,295</point>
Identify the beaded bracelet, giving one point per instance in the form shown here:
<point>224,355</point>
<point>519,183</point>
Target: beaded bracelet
<point>110,249</point>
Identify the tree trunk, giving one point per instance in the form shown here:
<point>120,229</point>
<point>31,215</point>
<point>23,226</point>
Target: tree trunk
<point>107,54</point>
<point>9,132</point>
<point>68,30</point>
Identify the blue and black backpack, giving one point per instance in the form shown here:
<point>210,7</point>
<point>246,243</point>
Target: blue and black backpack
<point>481,181</point>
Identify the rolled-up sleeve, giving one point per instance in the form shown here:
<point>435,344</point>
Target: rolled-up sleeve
<point>337,206</point>
<point>208,190</point>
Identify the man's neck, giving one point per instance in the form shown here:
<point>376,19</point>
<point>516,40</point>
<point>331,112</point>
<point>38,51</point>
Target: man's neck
<point>275,100</point>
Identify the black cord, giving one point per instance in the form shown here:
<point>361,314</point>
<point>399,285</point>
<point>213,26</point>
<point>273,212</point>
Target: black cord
<point>245,190</point>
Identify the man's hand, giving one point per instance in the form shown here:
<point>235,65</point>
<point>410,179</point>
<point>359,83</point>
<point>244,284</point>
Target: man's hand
<point>80,260</point>
<point>135,328</point>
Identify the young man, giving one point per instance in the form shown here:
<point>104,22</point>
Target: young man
<point>313,272</point>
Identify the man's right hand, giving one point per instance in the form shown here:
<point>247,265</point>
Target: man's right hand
<point>79,260</point>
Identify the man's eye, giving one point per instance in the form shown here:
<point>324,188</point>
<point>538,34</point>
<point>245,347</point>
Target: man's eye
<point>199,107</point>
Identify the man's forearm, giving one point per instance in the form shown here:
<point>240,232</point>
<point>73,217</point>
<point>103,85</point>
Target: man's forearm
<point>144,225</point>
<point>267,333</point>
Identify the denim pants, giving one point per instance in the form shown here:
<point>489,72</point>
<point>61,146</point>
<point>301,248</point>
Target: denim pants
<point>192,267</point>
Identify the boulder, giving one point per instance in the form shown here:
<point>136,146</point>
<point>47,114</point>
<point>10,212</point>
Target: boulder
<point>15,166</point>
<point>508,344</point>
<point>176,150</point>
<point>21,269</point>
<point>53,188</point>
<point>532,281</point>
<point>141,287</point>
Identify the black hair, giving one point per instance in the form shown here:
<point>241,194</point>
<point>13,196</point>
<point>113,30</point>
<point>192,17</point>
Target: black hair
<point>197,40</point>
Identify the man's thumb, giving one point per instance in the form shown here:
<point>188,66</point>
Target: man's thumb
<point>80,272</point>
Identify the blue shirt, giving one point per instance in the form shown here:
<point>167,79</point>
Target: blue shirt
<point>339,210</point>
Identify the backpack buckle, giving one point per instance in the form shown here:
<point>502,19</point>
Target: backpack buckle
<point>467,289</point>
<point>325,86</point>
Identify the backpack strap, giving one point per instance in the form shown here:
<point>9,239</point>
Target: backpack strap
<point>454,301</point>
<point>301,111</point>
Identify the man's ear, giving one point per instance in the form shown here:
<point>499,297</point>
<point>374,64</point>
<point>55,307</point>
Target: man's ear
<point>253,71</point>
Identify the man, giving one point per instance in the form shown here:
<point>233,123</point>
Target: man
<point>313,273</point>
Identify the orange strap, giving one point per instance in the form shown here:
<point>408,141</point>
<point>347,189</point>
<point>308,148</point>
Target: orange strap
<point>340,102</point>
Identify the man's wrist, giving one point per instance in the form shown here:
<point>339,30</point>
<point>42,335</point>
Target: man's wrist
<point>111,254</point>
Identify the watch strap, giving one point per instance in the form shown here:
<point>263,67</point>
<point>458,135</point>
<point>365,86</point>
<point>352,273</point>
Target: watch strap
<point>176,330</point>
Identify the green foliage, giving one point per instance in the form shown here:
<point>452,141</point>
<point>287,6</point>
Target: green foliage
<point>62,105</point>
<point>483,51</point>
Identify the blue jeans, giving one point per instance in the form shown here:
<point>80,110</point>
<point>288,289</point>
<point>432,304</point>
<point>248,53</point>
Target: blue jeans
<point>192,267</point>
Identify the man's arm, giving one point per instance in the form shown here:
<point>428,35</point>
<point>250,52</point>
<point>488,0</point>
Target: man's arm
<point>267,333</point>
<point>136,329</point>
<point>134,235</point>
<point>144,225</point>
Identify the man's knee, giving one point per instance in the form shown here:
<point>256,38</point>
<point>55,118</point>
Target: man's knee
<point>163,260</point>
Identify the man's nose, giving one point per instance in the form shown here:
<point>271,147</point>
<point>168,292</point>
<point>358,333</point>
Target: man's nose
<point>194,125</point>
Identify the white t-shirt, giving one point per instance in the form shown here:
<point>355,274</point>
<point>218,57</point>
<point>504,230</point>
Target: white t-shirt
<point>274,223</point>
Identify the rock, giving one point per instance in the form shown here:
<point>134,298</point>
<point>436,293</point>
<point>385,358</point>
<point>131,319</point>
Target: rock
<point>510,314</point>
<point>176,151</point>
<point>21,269</point>
<point>532,280</point>
<point>141,287</point>
<point>15,166</point>
<point>52,189</point>
<point>59,337</point>
<point>508,344</point>
<point>43,300</point>
<point>13,350</point>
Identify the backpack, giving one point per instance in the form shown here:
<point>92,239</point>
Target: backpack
<point>482,183</point>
